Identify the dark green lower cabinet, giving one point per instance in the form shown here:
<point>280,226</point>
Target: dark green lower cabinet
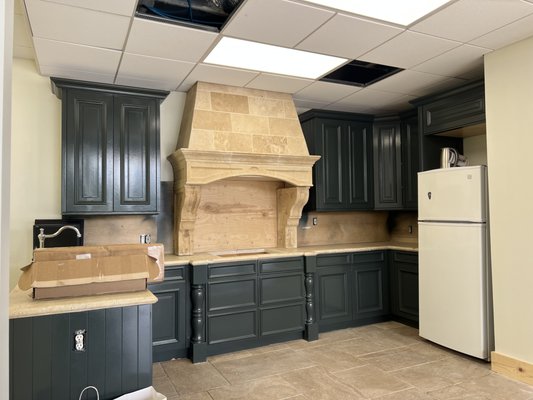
<point>171,315</point>
<point>404,286</point>
<point>352,289</point>
<point>117,358</point>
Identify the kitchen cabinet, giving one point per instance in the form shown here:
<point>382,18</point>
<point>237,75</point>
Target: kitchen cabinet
<point>352,289</point>
<point>396,162</point>
<point>251,303</point>
<point>171,315</point>
<point>404,286</point>
<point>343,177</point>
<point>117,358</point>
<point>454,109</point>
<point>410,160</point>
<point>387,164</point>
<point>110,148</point>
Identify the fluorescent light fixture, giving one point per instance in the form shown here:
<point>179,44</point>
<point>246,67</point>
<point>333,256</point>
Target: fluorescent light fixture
<point>239,53</point>
<point>402,12</point>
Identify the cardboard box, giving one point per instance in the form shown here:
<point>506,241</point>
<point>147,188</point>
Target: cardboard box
<point>88,270</point>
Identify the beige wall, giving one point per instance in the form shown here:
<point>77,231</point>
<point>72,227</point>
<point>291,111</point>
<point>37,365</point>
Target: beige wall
<point>36,156</point>
<point>35,159</point>
<point>475,149</point>
<point>509,88</point>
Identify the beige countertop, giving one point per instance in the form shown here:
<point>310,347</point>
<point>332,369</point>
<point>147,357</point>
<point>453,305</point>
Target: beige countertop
<point>203,258</point>
<point>22,305</point>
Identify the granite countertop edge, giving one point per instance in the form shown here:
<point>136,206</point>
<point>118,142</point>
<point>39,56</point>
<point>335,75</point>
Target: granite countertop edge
<point>22,305</point>
<point>172,260</point>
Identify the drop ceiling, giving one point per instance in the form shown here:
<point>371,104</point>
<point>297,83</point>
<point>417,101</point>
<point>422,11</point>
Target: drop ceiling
<point>103,41</point>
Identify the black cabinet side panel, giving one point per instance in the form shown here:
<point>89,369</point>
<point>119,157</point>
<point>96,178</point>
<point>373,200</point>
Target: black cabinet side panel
<point>96,352</point>
<point>42,355</point>
<point>144,350</point>
<point>22,346</point>
<point>130,356</point>
<point>410,162</point>
<point>113,350</point>
<point>78,359</point>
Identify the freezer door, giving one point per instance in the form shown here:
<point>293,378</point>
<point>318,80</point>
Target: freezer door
<point>453,194</point>
<point>453,287</point>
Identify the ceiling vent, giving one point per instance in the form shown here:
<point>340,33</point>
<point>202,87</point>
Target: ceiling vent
<point>360,73</point>
<point>204,14</point>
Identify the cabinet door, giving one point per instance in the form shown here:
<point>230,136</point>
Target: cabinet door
<point>87,153</point>
<point>330,167</point>
<point>371,285</point>
<point>404,285</point>
<point>136,153</point>
<point>387,165</point>
<point>410,163</point>
<point>457,110</point>
<point>359,166</point>
<point>169,320</point>
<point>334,295</point>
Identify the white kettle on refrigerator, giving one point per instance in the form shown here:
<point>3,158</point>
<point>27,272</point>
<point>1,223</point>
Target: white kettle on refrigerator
<point>449,157</point>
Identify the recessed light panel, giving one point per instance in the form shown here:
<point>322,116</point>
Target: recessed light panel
<point>402,12</point>
<point>360,73</point>
<point>267,58</point>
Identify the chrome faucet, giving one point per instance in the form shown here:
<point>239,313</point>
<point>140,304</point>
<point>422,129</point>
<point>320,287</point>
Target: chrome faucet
<point>42,236</point>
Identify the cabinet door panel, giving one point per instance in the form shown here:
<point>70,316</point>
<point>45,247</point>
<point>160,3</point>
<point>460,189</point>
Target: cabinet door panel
<point>88,152</point>
<point>410,163</point>
<point>282,319</point>
<point>404,285</point>
<point>233,326</point>
<point>334,294</point>
<point>359,168</point>
<point>371,289</point>
<point>330,194</point>
<point>136,154</point>
<point>387,166</point>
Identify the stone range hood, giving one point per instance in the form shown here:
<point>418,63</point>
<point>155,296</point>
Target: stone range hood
<point>229,133</point>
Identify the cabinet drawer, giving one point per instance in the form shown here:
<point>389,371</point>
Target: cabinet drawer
<point>175,273</point>
<point>226,270</point>
<point>337,259</point>
<point>368,257</point>
<point>234,326</point>
<point>282,288</point>
<point>282,319</point>
<point>289,265</point>
<point>231,294</point>
<point>405,257</point>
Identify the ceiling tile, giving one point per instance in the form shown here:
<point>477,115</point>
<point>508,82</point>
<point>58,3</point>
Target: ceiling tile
<point>456,62</point>
<point>278,83</point>
<point>326,92</point>
<point>369,98</point>
<point>310,104</point>
<point>77,25</point>
<point>69,73</point>
<point>156,39</point>
<point>409,49</point>
<point>414,83</point>
<point>122,7</point>
<point>274,22</point>
<point>216,74</point>
<point>68,56</point>
<point>351,108</point>
<point>348,37</point>
<point>469,19</point>
<point>160,72</point>
<point>518,30</point>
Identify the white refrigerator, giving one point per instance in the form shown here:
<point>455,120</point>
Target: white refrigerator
<point>455,295</point>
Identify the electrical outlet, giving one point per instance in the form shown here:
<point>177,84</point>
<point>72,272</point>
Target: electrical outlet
<point>145,238</point>
<point>79,340</point>
<point>410,229</point>
<point>315,221</point>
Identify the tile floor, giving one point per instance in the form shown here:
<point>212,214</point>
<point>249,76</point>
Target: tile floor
<point>387,361</point>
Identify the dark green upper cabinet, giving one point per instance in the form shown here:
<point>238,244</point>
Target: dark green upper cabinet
<point>396,162</point>
<point>387,164</point>
<point>343,175</point>
<point>410,161</point>
<point>454,109</point>
<point>110,142</point>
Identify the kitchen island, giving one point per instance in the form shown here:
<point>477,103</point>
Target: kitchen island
<point>213,303</point>
<point>60,346</point>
